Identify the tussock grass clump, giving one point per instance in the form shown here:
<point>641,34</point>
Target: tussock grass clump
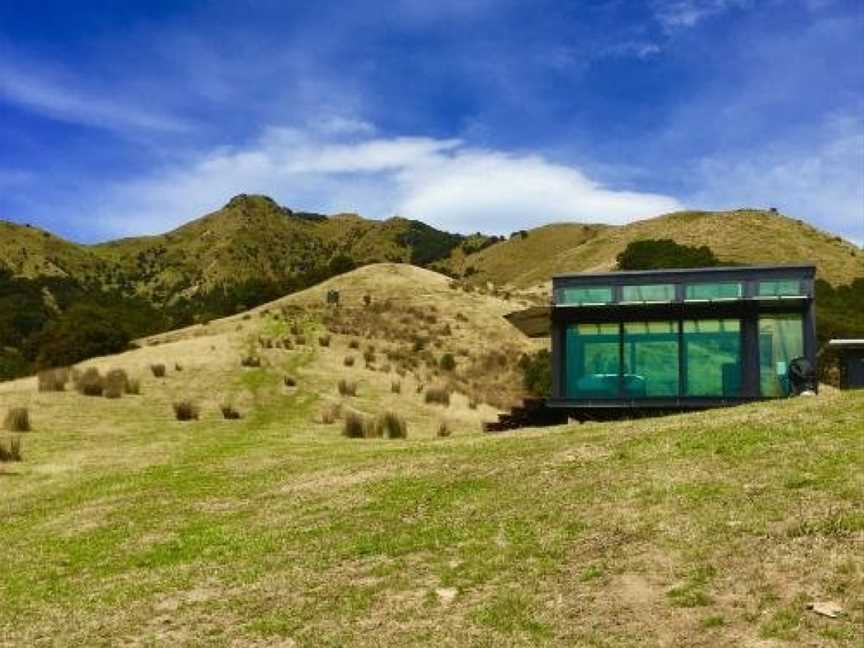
<point>324,340</point>
<point>354,426</point>
<point>229,412</point>
<point>158,370</point>
<point>186,411</point>
<point>290,381</point>
<point>348,361</point>
<point>396,387</point>
<point>473,403</point>
<point>10,451</point>
<point>438,396</point>
<point>90,383</point>
<point>331,413</point>
<point>250,361</point>
<point>178,366</point>
<point>300,340</point>
<point>17,420</point>
<point>391,426</point>
<point>347,387</point>
<point>444,430</point>
<point>447,362</point>
<point>354,344</point>
<point>116,383</point>
<point>53,380</point>
<point>133,386</point>
<point>295,330</point>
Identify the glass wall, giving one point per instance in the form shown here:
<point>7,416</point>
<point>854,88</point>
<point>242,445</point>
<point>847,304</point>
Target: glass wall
<point>781,339</point>
<point>656,292</point>
<point>650,359</point>
<point>725,290</point>
<point>777,288</point>
<point>593,361</point>
<point>712,357</point>
<point>585,295</point>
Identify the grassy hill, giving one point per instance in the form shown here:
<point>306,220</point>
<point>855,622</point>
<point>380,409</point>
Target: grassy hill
<point>742,236</point>
<point>125,526</point>
<point>251,239</point>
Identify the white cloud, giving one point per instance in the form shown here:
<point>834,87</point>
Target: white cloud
<point>820,178</point>
<point>678,14</point>
<point>64,98</point>
<point>440,181</point>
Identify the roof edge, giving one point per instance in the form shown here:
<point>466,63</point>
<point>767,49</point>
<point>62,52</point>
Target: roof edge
<point>643,273</point>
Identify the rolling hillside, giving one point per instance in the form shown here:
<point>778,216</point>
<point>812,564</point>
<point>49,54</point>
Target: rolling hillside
<point>251,239</point>
<point>124,526</point>
<point>742,236</point>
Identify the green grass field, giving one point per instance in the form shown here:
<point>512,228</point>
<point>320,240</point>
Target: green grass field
<point>125,527</point>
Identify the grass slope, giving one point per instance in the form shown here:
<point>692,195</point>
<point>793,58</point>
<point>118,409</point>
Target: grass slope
<point>741,236</point>
<point>250,238</point>
<point>123,526</point>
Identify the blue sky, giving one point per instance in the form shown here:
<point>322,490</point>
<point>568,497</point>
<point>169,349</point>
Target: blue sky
<point>122,118</point>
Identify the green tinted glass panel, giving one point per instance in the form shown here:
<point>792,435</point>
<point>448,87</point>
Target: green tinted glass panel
<point>712,357</point>
<point>586,295</point>
<point>784,287</point>
<point>656,292</point>
<point>650,359</point>
<point>713,291</point>
<point>592,361</point>
<point>781,339</point>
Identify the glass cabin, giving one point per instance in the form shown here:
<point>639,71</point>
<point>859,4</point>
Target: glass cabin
<point>679,338</point>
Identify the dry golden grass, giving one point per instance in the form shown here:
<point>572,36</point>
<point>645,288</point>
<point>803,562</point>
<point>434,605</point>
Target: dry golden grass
<point>125,526</point>
<point>745,236</point>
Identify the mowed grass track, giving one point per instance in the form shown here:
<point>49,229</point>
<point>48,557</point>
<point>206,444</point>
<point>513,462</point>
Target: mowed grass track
<point>124,527</point>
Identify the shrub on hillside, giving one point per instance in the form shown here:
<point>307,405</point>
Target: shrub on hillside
<point>186,411</point>
<point>178,366</point>
<point>347,387</point>
<point>300,340</point>
<point>10,451</point>
<point>17,420</point>
<point>443,429</point>
<point>330,413</point>
<point>537,373</point>
<point>438,396</point>
<point>348,361</point>
<point>324,340</point>
<point>116,383</point>
<point>90,383</point>
<point>53,380</point>
<point>354,426</point>
<point>396,387</point>
<point>250,361</point>
<point>657,254</point>
<point>229,412</point>
<point>133,386</point>
<point>354,344</point>
<point>391,426</point>
<point>158,370</point>
<point>448,362</point>
<point>290,381</point>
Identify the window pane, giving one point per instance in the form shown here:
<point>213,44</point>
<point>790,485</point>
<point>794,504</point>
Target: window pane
<point>713,291</point>
<point>592,361</point>
<point>781,340</point>
<point>585,295</point>
<point>783,287</point>
<point>657,292</point>
<point>712,357</point>
<point>650,359</point>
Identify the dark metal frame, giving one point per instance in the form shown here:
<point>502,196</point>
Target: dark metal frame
<point>747,309</point>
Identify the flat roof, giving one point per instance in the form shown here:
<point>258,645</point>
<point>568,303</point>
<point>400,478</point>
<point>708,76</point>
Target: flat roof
<point>672,271</point>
